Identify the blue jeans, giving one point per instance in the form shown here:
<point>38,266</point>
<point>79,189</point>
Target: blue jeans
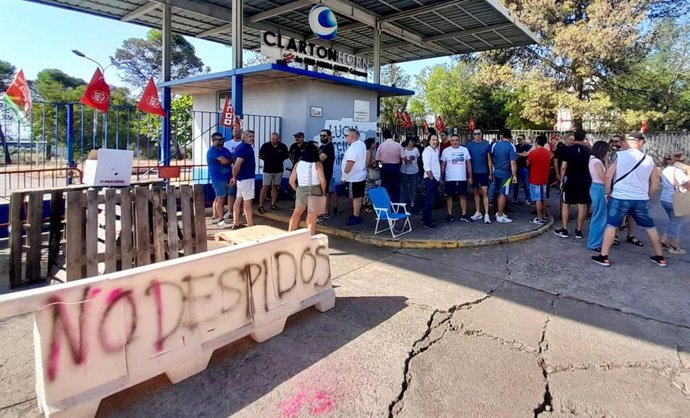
<point>638,209</point>
<point>598,223</point>
<point>408,188</point>
<point>430,196</point>
<point>390,179</point>
<point>674,222</point>
<point>522,181</point>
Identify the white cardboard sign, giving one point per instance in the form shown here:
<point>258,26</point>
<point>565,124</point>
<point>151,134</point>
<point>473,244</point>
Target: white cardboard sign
<point>97,336</point>
<point>113,168</point>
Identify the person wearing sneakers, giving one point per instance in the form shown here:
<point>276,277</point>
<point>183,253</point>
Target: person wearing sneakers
<point>575,184</point>
<point>481,174</point>
<point>327,157</point>
<point>456,171</point>
<point>630,180</point>
<point>219,162</point>
<point>539,163</point>
<point>432,176</point>
<point>273,154</point>
<point>504,159</point>
<point>232,190</point>
<point>354,174</point>
<point>673,178</point>
<point>597,170</point>
<point>243,174</point>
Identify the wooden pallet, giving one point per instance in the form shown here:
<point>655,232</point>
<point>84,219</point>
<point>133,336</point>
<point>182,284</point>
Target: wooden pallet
<point>105,229</point>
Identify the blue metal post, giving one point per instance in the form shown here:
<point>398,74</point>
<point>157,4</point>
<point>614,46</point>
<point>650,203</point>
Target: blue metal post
<point>70,139</point>
<point>167,131</point>
<point>237,93</point>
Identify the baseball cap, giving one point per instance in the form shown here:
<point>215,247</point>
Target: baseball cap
<point>299,134</point>
<point>636,136</point>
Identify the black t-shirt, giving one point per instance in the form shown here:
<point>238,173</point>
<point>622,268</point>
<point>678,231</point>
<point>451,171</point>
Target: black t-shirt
<point>329,150</point>
<point>296,151</point>
<point>577,157</point>
<point>558,154</point>
<point>273,157</point>
<point>522,161</point>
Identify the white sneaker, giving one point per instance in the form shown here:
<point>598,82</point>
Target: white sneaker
<point>503,219</point>
<point>477,216</point>
<point>228,215</point>
<point>487,219</point>
<point>224,224</point>
<point>216,221</point>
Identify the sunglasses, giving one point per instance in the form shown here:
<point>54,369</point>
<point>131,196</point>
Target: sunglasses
<point>476,134</point>
<point>323,135</point>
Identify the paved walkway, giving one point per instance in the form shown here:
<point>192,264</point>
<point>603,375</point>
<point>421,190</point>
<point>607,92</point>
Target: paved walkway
<point>448,235</point>
<point>515,330</point>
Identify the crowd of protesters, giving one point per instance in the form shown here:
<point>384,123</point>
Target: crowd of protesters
<point>609,182</point>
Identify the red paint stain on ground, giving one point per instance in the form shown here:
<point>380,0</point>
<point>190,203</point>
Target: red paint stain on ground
<point>316,403</point>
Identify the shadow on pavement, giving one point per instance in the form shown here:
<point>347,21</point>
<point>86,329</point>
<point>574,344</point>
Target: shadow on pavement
<point>244,371</point>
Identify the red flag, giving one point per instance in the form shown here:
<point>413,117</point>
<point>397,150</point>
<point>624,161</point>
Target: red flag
<point>150,103</point>
<point>440,126</point>
<point>407,120</point>
<point>425,127</point>
<point>471,125</point>
<point>97,94</point>
<point>228,118</point>
<point>18,96</point>
<point>645,127</point>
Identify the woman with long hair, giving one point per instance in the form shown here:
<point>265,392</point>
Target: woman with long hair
<point>673,178</point>
<point>307,179</point>
<point>598,161</point>
<point>410,171</point>
<point>373,172</point>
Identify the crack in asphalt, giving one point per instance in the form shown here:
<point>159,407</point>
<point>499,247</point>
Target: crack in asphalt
<point>657,366</point>
<point>547,404</point>
<point>512,344</point>
<point>17,403</point>
<point>424,343</point>
<point>556,294</point>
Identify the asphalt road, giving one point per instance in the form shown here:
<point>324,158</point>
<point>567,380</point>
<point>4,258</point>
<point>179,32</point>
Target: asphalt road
<point>532,328</point>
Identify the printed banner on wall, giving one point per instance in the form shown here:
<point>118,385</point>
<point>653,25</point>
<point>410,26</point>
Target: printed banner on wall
<point>339,129</point>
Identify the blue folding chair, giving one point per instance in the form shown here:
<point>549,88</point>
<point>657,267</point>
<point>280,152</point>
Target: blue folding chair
<point>389,212</point>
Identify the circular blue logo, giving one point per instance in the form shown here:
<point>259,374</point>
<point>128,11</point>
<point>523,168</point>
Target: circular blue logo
<point>322,22</point>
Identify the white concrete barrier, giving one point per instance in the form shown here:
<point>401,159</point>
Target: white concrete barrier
<point>97,336</point>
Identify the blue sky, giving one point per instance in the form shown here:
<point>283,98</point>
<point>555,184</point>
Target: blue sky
<point>34,37</point>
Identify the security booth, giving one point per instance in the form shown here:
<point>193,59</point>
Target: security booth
<point>283,99</point>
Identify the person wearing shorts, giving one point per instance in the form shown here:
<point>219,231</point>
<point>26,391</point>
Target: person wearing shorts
<point>456,170</point>
<point>481,174</point>
<point>327,157</point>
<point>273,154</point>
<point>539,163</point>
<point>243,176</point>
<point>576,184</point>
<point>354,174</point>
<point>635,179</point>
<point>219,162</point>
<point>504,159</point>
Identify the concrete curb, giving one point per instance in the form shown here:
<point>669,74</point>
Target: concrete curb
<point>413,243</point>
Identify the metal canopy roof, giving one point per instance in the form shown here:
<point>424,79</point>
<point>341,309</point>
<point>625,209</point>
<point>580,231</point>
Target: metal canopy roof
<point>410,29</point>
<point>272,74</point>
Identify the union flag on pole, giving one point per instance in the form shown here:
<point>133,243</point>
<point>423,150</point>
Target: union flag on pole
<point>18,96</point>
<point>150,103</point>
<point>97,94</point>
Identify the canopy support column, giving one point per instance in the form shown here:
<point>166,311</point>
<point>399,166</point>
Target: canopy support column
<point>167,56</point>
<point>237,46</point>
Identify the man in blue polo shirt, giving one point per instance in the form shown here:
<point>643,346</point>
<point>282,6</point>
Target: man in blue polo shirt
<point>219,162</point>
<point>481,174</point>
<point>243,174</point>
<point>504,159</point>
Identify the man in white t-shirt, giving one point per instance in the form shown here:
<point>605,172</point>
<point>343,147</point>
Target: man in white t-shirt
<point>354,174</point>
<point>630,180</point>
<point>457,174</point>
<point>232,190</point>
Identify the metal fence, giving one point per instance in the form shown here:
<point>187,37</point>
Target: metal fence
<point>48,149</point>
<point>659,143</point>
